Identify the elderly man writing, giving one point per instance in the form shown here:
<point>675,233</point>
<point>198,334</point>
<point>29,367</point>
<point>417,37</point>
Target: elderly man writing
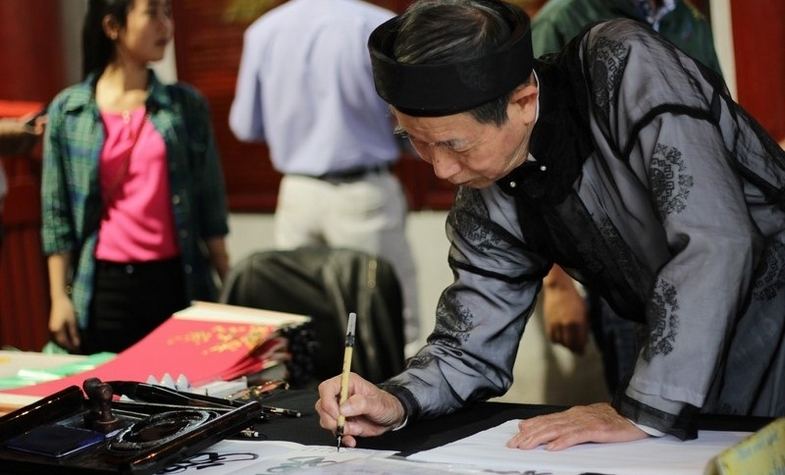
<point>624,161</point>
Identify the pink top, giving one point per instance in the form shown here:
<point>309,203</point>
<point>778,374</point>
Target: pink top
<point>137,224</point>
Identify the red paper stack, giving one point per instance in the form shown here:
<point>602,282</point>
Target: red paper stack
<point>205,342</point>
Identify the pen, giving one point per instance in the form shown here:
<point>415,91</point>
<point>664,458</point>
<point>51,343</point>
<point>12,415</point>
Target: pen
<point>282,411</point>
<point>347,365</point>
<point>154,395</point>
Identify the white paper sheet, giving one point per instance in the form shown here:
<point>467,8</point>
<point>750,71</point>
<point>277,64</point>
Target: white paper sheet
<point>393,466</point>
<point>231,455</point>
<point>655,456</point>
<point>239,457</point>
<point>311,457</point>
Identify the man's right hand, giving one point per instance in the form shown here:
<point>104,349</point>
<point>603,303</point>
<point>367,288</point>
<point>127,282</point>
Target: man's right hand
<point>62,324</point>
<point>369,411</point>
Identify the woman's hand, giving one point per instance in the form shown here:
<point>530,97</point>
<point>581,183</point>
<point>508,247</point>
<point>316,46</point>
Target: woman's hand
<point>62,324</point>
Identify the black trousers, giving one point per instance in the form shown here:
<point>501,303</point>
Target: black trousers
<point>130,300</point>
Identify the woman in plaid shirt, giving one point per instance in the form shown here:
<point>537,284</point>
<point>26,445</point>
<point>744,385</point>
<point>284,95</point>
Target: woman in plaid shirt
<point>134,209</point>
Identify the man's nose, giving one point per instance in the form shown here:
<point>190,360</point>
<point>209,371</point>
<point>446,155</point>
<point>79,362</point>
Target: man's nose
<point>444,165</point>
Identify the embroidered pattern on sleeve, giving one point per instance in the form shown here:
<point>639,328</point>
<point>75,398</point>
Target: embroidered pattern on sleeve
<point>771,273</point>
<point>608,63</point>
<point>663,320</point>
<point>670,181</point>
<point>453,320</point>
<point>470,219</point>
<point>420,360</point>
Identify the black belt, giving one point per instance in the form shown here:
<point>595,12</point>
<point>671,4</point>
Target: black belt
<point>149,267</point>
<point>356,173</point>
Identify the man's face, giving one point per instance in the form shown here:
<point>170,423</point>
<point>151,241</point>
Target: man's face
<point>464,151</point>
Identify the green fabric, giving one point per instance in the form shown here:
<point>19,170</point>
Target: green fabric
<point>52,348</point>
<point>71,196</point>
<point>57,372</point>
<point>27,377</point>
<point>561,20</point>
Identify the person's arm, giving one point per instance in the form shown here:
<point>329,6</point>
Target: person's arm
<point>564,311</point>
<point>219,258</point>
<point>62,318</point>
<point>245,116</point>
<point>57,235</point>
<point>700,292</point>
<point>480,317</point>
<point>17,137</point>
<point>210,196</point>
<point>683,172</point>
<point>676,136</point>
<point>696,298</point>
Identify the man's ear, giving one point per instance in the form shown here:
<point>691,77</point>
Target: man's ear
<point>523,103</point>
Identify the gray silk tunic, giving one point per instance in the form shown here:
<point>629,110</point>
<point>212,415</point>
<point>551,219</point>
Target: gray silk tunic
<point>651,186</point>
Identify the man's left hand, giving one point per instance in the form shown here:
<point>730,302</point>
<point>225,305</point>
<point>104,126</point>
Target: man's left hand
<point>594,423</point>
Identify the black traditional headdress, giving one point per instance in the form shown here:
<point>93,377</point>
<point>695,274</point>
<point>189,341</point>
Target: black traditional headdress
<point>443,89</point>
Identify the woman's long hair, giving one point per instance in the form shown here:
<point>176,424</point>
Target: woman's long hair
<point>97,48</point>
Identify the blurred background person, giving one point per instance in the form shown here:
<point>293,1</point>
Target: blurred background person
<point>17,137</point>
<point>133,204</point>
<point>566,313</point>
<point>305,88</point>
<point>679,21</point>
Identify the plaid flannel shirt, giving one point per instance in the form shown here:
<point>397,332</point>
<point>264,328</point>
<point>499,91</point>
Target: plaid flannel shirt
<point>70,192</point>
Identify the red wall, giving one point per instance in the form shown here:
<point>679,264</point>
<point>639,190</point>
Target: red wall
<point>32,69</point>
<point>31,58</point>
<point>759,43</point>
<point>24,294</point>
